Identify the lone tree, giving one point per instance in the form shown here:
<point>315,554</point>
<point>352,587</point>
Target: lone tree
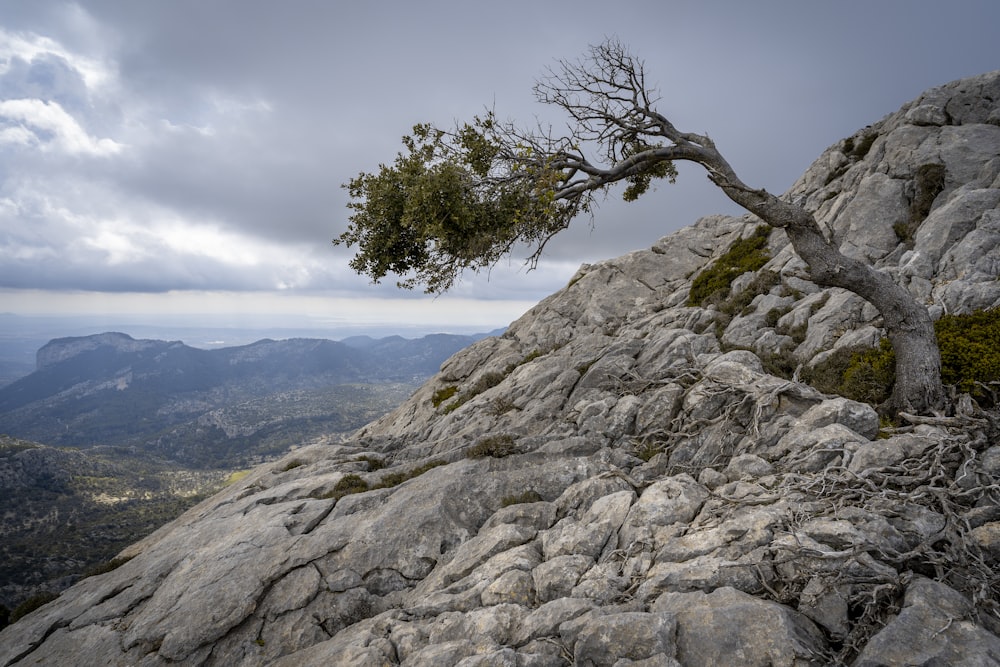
<point>462,199</point>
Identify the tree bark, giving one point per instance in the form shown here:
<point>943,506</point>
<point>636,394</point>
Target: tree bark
<point>918,386</point>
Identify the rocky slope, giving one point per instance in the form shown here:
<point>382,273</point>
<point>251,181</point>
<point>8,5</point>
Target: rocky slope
<point>611,482</point>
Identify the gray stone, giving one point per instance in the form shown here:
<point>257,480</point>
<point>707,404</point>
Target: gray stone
<point>933,628</point>
<point>604,640</point>
<point>556,577</point>
<point>713,628</point>
<point>759,486</point>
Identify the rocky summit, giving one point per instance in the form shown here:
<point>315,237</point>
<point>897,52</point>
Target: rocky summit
<point>623,478</point>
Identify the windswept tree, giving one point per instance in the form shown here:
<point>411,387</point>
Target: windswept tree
<point>463,198</point>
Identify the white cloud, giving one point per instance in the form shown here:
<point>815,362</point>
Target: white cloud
<point>29,46</point>
<point>47,125</point>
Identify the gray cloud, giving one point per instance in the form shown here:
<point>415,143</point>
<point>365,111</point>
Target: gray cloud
<point>193,145</point>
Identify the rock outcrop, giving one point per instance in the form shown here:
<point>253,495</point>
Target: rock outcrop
<point>617,480</point>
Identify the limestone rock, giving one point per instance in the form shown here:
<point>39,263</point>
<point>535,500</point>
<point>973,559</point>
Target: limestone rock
<point>667,500</point>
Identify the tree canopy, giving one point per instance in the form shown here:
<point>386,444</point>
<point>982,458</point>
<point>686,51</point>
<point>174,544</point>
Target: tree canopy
<point>463,198</point>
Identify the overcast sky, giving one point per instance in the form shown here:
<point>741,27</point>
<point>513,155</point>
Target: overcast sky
<point>186,156</point>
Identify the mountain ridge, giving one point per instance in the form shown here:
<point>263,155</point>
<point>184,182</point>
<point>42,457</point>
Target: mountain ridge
<point>113,389</point>
<point>617,479</point>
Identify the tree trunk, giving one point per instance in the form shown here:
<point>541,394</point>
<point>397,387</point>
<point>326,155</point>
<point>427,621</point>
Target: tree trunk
<point>918,385</point>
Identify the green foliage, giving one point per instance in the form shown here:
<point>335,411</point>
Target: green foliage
<point>970,353</point>
<point>494,446</point>
<point>291,465</point>
<point>352,483</point>
<point>529,496</point>
<point>104,568</point>
<point>929,182</point>
<point>485,381</point>
<point>714,282</point>
<point>647,450</point>
<point>865,374</point>
<point>442,395</point>
<point>639,183</point>
<point>31,604</point>
<point>374,463</point>
<point>857,150</point>
<point>451,201</point>
<point>347,485</point>
<point>870,374</point>
<point>396,478</point>
<point>970,358</point>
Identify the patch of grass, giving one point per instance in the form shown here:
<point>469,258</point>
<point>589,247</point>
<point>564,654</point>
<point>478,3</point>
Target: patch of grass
<point>442,395</point>
<point>347,485</point>
<point>291,465</point>
<point>396,478</point>
<point>501,406</point>
<point>104,568</point>
<point>485,381</point>
<point>928,183</point>
<point>647,450</point>
<point>30,605</point>
<point>714,282</point>
<point>374,463</point>
<point>529,496</point>
<point>237,476</point>
<point>494,446</point>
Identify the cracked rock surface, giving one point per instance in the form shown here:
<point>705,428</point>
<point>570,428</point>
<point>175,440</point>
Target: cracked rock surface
<point>617,480</point>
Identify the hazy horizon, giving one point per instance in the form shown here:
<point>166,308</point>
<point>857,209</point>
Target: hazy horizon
<point>187,156</point>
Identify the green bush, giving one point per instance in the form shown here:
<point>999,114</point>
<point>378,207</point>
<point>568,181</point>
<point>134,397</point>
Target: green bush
<point>442,395</point>
<point>31,604</point>
<point>970,358</point>
<point>396,478</point>
<point>870,375</point>
<point>529,496</point>
<point>748,254</point>
<point>928,184</point>
<point>374,463</point>
<point>291,465</point>
<point>494,446</point>
<point>103,568</point>
<point>970,352</point>
<point>347,485</point>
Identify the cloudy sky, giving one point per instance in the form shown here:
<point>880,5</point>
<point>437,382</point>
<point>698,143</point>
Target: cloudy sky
<point>186,156</point>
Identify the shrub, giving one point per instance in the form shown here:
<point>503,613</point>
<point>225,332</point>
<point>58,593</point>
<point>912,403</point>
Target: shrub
<point>31,604</point>
<point>104,568</point>
<point>291,465</point>
<point>748,254</point>
<point>970,358</point>
<point>928,183</point>
<point>442,395</point>
<point>860,374</point>
<point>529,496</point>
<point>374,463</point>
<point>396,478</point>
<point>870,375</point>
<point>495,446</point>
<point>347,485</point>
<point>969,350</point>
<point>485,381</point>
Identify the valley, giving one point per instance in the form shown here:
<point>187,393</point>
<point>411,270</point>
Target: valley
<point>110,437</point>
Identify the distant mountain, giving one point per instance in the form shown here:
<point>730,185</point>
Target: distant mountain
<point>179,401</point>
